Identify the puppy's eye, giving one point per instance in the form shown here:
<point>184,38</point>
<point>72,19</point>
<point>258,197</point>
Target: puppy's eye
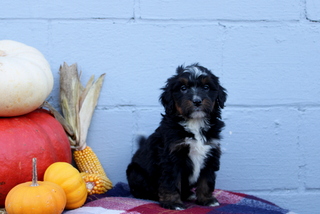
<point>206,87</point>
<point>183,88</point>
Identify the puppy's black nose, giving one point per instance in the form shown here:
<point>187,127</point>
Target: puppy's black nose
<point>197,102</point>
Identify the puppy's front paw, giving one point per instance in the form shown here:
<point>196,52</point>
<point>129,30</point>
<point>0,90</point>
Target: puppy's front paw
<point>212,202</point>
<point>172,205</point>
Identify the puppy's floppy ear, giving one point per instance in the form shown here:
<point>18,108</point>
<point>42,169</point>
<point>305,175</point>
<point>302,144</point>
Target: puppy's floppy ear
<point>222,96</point>
<point>167,100</point>
<point>166,97</point>
<point>222,92</point>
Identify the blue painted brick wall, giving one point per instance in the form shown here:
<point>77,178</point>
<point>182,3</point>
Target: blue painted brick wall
<point>267,54</point>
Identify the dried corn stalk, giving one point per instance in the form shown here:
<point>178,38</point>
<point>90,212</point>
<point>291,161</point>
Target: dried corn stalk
<point>78,103</point>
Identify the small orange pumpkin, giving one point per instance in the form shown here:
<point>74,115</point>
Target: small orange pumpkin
<point>37,197</point>
<point>69,178</point>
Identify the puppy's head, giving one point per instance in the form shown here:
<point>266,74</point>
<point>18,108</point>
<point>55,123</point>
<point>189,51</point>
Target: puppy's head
<point>194,92</point>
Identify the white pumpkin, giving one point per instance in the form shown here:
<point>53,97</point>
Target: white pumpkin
<point>25,78</point>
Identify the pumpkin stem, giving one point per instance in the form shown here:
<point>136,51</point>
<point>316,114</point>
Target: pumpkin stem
<point>34,173</point>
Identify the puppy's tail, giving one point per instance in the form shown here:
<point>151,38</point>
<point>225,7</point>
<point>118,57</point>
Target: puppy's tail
<point>141,140</point>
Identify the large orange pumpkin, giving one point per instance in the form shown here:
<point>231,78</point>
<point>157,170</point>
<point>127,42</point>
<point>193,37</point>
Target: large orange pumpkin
<point>37,134</point>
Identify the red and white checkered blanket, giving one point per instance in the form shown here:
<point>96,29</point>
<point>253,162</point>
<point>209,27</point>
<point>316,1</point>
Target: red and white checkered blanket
<point>119,201</point>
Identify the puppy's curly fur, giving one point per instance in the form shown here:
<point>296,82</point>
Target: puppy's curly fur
<point>184,151</point>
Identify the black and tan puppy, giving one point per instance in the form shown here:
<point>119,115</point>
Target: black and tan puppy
<point>184,151</point>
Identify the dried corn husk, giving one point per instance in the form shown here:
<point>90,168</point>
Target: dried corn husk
<point>78,103</point>
<point>69,98</point>
<point>89,98</point>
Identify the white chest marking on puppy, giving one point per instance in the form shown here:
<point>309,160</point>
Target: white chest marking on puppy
<point>198,149</point>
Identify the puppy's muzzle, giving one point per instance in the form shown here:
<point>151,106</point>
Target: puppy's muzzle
<point>197,102</point>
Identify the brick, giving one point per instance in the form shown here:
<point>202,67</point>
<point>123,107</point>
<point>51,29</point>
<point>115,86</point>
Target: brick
<point>67,9</point>
<point>313,10</point>
<point>33,33</point>
<point>220,10</point>
<point>310,123</point>
<point>260,149</point>
<point>270,65</point>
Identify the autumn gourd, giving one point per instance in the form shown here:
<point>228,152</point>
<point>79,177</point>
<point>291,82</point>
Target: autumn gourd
<point>69,178</point>
<point>26,78</point>
<point>37,134</point>
<point>36,197</point>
